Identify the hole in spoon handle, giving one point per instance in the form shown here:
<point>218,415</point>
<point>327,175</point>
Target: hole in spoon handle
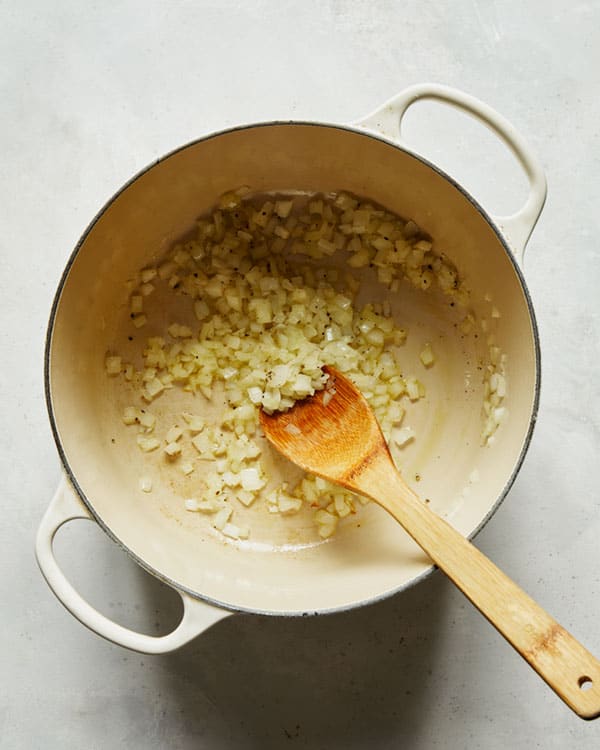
<point>564,663</point>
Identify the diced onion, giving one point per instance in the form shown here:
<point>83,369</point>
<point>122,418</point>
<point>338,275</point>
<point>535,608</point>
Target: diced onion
<point>147,444</point>
<point>146,484</point>
<point>139,320</point>
<point>147,274</point>
<point>250,479</point>
<point>287,504</point>
<point>194,422</point>
<point>130,415</point>
<point>235,532</point>
<point>412,389</point>
<point>146,419</point>
<point>136,304</point>
<point>173,449</point>
<point>113,365</point>
<point>173,434</point>
<point>264,325</point>
<point>427,357</point>
<point>221,518</point>
<point>402,435</point>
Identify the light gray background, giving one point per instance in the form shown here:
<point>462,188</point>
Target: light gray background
<point>92,92</point>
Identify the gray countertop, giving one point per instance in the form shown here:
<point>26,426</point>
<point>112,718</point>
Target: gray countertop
<point>93,92</point>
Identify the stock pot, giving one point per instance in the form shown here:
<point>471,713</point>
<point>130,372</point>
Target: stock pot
<point>465,479</point>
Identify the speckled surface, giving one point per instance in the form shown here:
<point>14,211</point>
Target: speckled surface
<point>93,92</point>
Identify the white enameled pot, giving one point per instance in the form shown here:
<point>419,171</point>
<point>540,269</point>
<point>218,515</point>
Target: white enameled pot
<point>360,565</point>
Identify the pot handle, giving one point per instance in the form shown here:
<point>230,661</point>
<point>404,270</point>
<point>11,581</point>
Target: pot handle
<point>517,228</point>
<point>197,615</point>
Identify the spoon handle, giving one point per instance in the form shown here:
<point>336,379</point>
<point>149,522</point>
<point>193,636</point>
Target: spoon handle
<point>568,668</point>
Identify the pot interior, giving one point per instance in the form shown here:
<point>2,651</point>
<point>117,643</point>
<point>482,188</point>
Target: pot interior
<point>280,569</point>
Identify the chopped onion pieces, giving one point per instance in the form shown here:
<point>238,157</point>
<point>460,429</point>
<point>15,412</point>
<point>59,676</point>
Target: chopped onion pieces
<point>266,323</point>
<point>145,484</point>
<point>113,365</point>
<point>427,357</point>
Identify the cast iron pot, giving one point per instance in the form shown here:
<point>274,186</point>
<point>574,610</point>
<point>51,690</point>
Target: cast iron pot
<point>360,565</point>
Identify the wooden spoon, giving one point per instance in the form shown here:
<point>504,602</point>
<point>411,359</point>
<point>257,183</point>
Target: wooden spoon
<point>340,440</point>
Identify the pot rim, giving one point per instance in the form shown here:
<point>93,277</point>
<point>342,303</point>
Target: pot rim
<point>63,280</point>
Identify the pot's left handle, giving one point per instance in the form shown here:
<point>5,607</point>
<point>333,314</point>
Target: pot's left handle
<point>197,615</point>
<point>518,227</point>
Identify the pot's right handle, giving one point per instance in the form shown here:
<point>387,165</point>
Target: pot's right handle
<point>197,615</point>
<point>518,227</point>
